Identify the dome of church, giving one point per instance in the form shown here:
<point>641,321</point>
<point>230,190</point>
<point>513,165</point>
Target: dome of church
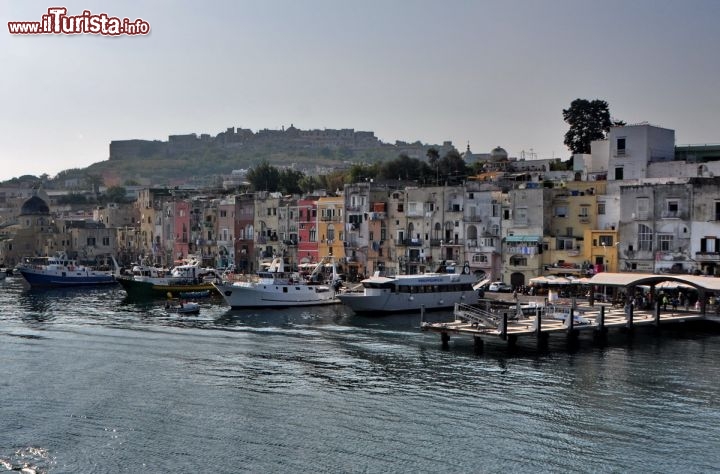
<point>498,154</point>
<point>35,207</point>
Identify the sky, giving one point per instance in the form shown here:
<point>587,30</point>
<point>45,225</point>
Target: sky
<point>491,73</point>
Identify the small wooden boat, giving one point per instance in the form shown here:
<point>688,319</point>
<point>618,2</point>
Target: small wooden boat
<point>183,307</point>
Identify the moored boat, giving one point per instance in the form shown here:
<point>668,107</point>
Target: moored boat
<point>149,281</point>
<point>61,271</point>
<point>275,288</point>
<point>402,293</point>
<point>190,307</point>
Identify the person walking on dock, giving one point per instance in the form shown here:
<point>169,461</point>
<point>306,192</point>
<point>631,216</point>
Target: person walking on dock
<point>664,302</point>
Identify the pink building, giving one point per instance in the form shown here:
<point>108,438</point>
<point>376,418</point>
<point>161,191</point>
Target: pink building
<point>307,231</point>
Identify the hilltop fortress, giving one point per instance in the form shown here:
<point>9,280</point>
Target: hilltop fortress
<point>345,140</point>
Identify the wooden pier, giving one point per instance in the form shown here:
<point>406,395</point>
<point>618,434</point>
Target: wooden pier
<point>510,324</point>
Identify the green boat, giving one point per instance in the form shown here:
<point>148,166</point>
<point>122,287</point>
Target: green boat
<point>136,288</point>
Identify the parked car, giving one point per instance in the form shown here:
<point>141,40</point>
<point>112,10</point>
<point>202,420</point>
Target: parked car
<point>500,287</point>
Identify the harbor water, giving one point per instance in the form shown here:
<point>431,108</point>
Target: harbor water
<point>92,382</point>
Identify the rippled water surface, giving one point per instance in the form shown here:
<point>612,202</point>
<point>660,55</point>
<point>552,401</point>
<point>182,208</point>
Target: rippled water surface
<point>92,382</point>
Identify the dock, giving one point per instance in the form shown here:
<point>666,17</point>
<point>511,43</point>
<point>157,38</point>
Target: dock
<point>512,323</point>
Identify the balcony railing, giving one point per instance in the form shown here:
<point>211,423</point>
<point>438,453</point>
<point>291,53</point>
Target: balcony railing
<point>707,256</point>
<point>670,215</point>
<point>473,219</point>
<point>409,242</point>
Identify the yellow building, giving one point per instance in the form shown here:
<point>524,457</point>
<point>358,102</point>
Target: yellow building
<point>601,249</point>
<point>331,227</point>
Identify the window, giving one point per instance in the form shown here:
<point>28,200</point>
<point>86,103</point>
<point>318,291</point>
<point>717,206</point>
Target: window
<point>91,241</point>
<point>564,244</point>
<point>665,242</point>
<point>645,237</point>
<point>480,258</point>
<point>584,211</point>
<point>601,208</point>
<point>709,244</point>
<point>672,208</point>
<point>619,173</point>
<point>621,146</point>
<point>106,241</point>
<point>642,208</point>
<point>606,240</point>
<point>518,261</point>
<point>521,215</point>
<point>560,211</point>
<point>313,235</point>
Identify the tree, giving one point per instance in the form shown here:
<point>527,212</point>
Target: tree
<point>264,177</point>
<point>289,181</point>
<point>453,168</point>
<point>588,120</point>
<point>116,194</point>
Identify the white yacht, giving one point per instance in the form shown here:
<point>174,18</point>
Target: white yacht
<point>275,288</point>
<point>438,290</point>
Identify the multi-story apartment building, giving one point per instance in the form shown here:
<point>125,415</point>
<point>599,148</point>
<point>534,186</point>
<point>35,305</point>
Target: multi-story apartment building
<point>527,215</point>
<point>307,230</point>
<point>180,212</point>
<point>482,218</point>
<point>245,260</point>
<point>705,225</point>
<point>225,232</point>
<point>267,240</point>
<point>331,228</point>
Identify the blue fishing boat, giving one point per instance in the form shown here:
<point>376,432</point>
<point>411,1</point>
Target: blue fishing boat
<point>61,271</point>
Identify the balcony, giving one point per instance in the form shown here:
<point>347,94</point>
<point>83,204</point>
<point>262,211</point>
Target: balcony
<point>435,242</point>
<point>331,218</point>
<point>377,216</point>
<point>707,256</point>
<point>584,219</point>
<point>409,242</point>
<point>473,219</point>
<point>671,215</point>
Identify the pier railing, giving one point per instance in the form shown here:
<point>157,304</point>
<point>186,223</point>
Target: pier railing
<point>476,316</point>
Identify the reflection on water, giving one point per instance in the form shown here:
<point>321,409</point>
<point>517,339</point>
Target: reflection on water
<point>105,384</point>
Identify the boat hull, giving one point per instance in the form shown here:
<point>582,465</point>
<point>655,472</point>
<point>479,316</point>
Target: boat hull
<point>391,302</point>
<point>66,279</point>
<point>249,295</point>
<point>136,288</point>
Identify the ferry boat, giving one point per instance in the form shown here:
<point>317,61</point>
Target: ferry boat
<point>187,277</point>
<point>275,288</point>
<point>59,271</point>
<point>402,293</point>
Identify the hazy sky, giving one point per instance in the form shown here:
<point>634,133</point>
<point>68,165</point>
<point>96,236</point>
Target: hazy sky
<point>488,72</point>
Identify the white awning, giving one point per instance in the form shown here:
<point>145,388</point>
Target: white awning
<point>626,279</point>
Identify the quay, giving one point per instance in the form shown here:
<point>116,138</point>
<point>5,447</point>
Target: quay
<point>509,325</point>
<point>541,318</point>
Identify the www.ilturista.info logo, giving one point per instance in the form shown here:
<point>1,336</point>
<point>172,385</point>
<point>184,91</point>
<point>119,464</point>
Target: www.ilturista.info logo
<point>58,22</point>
